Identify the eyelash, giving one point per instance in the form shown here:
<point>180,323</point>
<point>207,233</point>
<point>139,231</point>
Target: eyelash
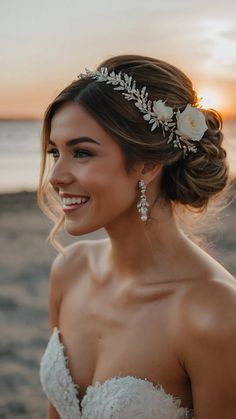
<point>76,151</point>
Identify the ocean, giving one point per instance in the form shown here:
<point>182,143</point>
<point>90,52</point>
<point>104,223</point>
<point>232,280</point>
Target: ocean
<point>20,153</point>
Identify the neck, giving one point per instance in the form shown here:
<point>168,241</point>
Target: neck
<point>142,251</point>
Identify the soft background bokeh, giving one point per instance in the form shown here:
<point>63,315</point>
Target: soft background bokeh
<point>44,46</point>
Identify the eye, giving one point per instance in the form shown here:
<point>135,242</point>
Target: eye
<point>54,152</point>
<point>78,153</point>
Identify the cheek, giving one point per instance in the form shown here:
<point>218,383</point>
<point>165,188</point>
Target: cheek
<point>109,188</point>
<point>102,176</point>
<point>110,198</point>
<point>115,194</point>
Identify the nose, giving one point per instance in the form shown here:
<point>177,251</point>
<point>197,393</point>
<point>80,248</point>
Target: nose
<point>60,176</point>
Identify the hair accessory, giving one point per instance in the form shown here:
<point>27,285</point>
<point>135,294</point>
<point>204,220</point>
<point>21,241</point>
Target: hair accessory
<point>182,129</point>
<point>143,204</point>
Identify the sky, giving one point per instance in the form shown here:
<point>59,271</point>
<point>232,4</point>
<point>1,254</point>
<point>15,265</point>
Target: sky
<point>45,44</point>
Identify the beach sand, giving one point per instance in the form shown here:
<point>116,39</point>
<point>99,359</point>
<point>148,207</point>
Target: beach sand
<point>25,260</point>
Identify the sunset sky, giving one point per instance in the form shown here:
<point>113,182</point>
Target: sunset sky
<point>45,44</point>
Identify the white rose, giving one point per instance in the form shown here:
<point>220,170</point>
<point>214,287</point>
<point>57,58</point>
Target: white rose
<point>163,112</point>
<point>191,123</point>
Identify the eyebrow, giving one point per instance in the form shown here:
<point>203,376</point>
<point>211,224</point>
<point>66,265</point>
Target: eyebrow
<point>75,141</point>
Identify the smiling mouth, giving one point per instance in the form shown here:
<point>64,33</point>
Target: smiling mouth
<point>73,204</point>
<point>71,201</point>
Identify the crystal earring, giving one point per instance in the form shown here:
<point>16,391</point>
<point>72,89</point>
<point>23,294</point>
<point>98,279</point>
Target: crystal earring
<point>143,204</point>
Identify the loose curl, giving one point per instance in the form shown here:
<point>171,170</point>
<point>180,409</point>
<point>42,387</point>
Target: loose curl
<point>188,181</point>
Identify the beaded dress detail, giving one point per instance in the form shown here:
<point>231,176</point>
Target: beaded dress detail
<point>117,398</point>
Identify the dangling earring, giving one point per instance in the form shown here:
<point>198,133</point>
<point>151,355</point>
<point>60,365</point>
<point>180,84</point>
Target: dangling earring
<point>143,204</point>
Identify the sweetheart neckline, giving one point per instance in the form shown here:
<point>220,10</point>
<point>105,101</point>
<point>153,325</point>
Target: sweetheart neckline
<point>91,387</point>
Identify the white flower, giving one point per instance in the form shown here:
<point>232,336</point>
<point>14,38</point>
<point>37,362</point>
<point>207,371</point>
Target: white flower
<point>191,123</point>
<point>163,112</point>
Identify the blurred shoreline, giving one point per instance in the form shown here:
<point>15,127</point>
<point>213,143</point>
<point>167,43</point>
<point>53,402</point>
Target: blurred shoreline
<point>25,259</point>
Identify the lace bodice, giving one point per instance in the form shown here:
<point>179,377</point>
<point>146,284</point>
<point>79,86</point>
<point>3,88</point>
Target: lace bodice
<point>117,398</point>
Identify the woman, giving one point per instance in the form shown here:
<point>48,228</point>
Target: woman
<point>143,322</point>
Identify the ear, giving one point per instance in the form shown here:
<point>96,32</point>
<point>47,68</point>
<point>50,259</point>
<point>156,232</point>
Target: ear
<point>150,171</point>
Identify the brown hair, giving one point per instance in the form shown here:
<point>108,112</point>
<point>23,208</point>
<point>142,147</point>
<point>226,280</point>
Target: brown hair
<point>190,181</point>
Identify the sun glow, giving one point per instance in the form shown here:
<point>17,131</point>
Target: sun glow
<point>210,98</point>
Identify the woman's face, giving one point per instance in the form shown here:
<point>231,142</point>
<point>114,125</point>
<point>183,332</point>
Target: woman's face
<point>90,167</point>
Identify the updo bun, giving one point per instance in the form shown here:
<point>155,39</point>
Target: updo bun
<point>194,180</point>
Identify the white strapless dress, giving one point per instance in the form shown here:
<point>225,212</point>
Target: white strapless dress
<point>117,398</point>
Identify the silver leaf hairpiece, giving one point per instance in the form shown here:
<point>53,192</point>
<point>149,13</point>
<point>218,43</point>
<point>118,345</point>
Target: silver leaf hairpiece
<point>182,129</point>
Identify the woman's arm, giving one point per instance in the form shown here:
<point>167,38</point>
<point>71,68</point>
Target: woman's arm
<point>56,289</point>
<point>52,413</point>
<point>55,296</point>
<point>210,355</point>
<point>58,280</point>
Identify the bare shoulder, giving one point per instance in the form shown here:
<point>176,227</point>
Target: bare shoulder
<point>209,346</point>
<point>209,295</point>
<point>67,267</point>
<point>209,306</point>
<point>71,254</point>
<point>76,255</point>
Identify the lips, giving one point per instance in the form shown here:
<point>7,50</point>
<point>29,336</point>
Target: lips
<point>69,199</point>
<point>72,202</point>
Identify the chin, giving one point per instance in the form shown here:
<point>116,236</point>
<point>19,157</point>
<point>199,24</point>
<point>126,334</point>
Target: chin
<point>80,230</point>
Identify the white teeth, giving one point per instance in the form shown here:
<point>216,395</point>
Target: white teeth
<point>74,200</point>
